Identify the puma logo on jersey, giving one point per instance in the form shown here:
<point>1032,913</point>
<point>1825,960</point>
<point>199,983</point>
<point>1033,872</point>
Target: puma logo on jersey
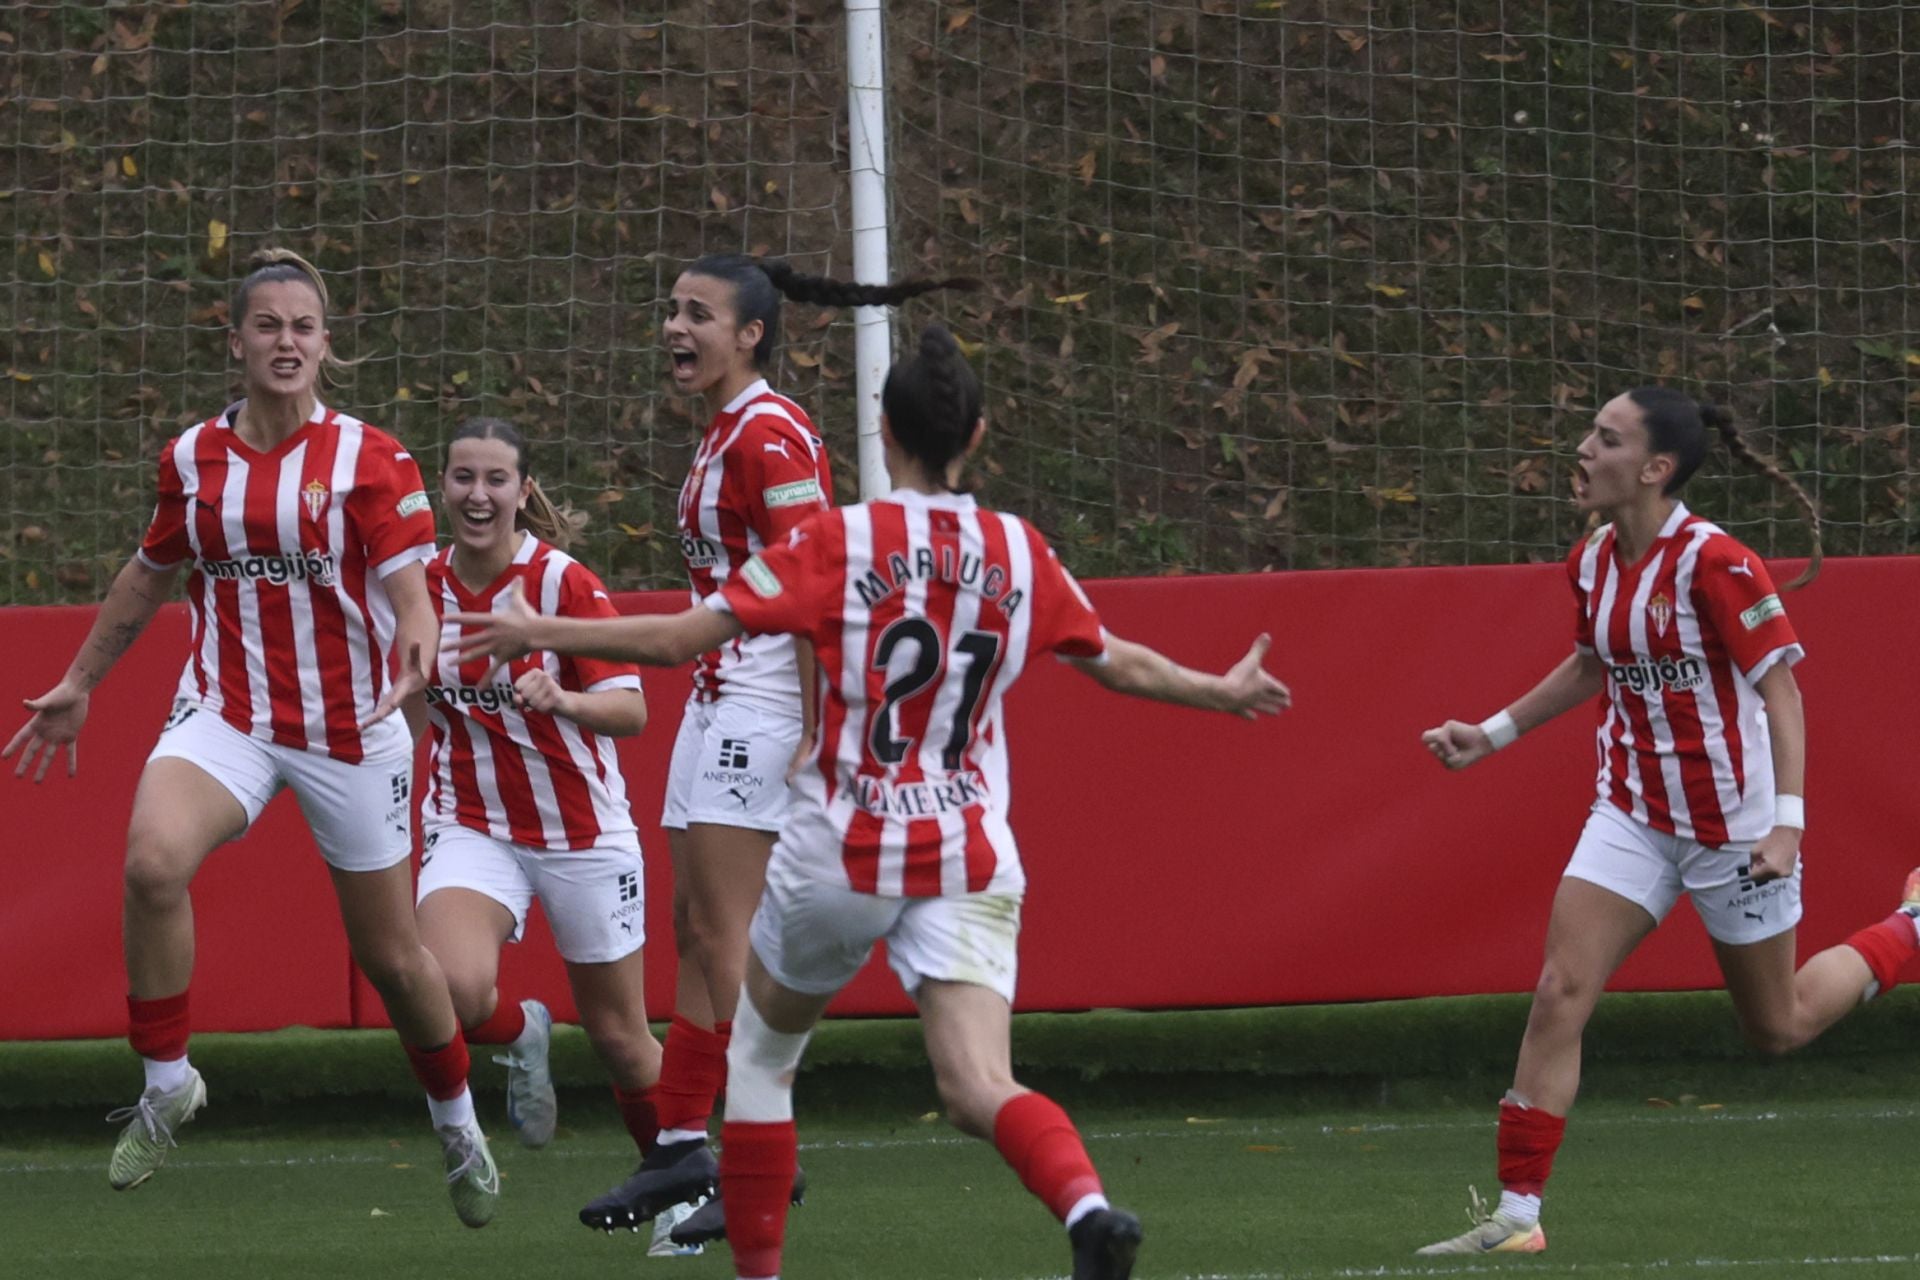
<point>777,446</point>
<point>1743,570</point>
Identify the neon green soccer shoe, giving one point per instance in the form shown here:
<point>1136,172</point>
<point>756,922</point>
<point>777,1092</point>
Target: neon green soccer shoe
<point>151,1123</point>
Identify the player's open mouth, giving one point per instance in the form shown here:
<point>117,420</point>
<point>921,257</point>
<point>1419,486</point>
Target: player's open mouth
<point>480,519</point>
<point>683,360</point>
<point>1580,481</point>
<point>287,368</point>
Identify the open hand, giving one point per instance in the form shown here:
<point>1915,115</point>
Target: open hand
<point>411,680</point>
<point>1250,689</point>
<point>57,716</point>
<point>502,636</point>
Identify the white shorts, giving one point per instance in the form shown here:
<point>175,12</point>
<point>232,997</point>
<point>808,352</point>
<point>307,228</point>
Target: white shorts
<point>730,766</point>
<point>813,937</point>
<point>595,900</point>
<point>361,815</point>
<point>1651,868</point>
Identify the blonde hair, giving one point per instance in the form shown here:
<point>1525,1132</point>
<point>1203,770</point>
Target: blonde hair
<point>557,525</point>
<point>271,265</point>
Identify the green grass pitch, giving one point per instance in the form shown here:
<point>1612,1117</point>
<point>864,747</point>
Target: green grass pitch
<point>1232,1188</point>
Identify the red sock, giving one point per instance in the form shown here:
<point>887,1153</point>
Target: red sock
<point>1887,947</point>
<point>637,1109</point>
<point>1035,1137</point>
<point>442,1071</point>
<point>503,1025</point>
<point>757,1164</point>
<point>691,1071</point>
<point>157,1029</point>
<point>1527,1142</point>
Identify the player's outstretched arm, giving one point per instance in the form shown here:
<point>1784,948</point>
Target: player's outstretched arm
<point>135,596</point>
<point>657,640</point>
<point>1246,689</point>
<point>1457,744</point>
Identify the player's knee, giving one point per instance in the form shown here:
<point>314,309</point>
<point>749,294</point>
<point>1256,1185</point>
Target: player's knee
<point>392,967</point>
<point>157,872</point>
<point>473,998</point>
<point>1772,1037</point>
<point>626,1046</point>
<point>1562,991</point>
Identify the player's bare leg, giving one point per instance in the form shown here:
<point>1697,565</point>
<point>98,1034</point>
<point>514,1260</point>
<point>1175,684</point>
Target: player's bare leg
<point>969,1032</point>
<point>377,909</point>
<point>1781,1009</point>
<point>759,1146</point>
<point>465,929</point>
<point>612,999</point>
<point>1590,933</point>
<point>719,872</point>
<point>180,815</point>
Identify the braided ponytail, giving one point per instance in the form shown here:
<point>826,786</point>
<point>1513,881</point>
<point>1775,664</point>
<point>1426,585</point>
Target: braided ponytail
<point>271,265</point>
<point>1737,444</point>
<point>760,283</point>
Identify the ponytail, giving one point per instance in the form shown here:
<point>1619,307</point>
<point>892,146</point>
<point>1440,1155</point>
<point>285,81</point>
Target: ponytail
<point>1737,444</point>
<point>557,525</point>
<point>271,265</point>
<point>760,283</point>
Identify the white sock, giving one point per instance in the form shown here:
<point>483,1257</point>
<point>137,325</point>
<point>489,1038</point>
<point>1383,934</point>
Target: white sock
<point>668,1137</point>
<point>454,1112</point>
<point>1514,1207</point>
<point>169,1076</point>
<point>1092,1202</point>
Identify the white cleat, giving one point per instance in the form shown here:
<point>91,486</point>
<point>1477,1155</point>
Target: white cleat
<point>532,1109</point>
<point>1491,1233</point>
<point>662,1246</point>
<point>144,1143</point>
<point>472,1179</point>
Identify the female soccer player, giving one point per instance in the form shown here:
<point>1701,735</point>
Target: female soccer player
<point>525,798</point>
<point>924,609</point>
<point>309,534</point>
<point>1702,760</point>
<point>759,470</point>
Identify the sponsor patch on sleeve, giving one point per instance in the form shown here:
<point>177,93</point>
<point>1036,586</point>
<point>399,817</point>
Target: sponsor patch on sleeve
<point>413,504</point>
<point>794,493</point>
<point>1770,607</point>
<point>760,578</point>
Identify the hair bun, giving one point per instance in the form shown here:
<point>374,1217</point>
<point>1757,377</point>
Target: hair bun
<point>1715,416</point>
<point>936,343</point>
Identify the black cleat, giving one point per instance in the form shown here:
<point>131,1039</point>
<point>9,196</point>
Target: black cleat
<point>709,1222</point>
<point>669,1175</point>
<point>1104,1245</point>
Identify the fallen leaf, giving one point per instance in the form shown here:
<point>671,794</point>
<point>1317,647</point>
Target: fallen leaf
<point>959,21</point>
<point>1068,299</point>
<point>128,167</point>
<point>46,264</point>
<point>1388,290</point>
<point>379,1213</point>
<point>216,237</point>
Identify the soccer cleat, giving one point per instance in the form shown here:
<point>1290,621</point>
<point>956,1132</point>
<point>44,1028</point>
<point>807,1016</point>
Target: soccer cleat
<point>1490,1233</point>
<point>708,1222</point>
<point>531,1106</point>
<point>667,1176</point>
<point>666,1227</point>
<point>1104,1245</point>
<point>472,1179</point>
<point>144,1143</point>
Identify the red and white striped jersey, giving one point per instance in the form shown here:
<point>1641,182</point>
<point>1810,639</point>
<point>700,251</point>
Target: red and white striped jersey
<point>291,625</point>
<point>760,470</point>
<point>522,776</point>
<point>1685,635</point>
<point>924,610</point>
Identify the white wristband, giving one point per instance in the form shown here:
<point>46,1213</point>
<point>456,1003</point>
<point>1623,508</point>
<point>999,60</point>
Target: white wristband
<point>1790,811</point>
<point>1500,729</point>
